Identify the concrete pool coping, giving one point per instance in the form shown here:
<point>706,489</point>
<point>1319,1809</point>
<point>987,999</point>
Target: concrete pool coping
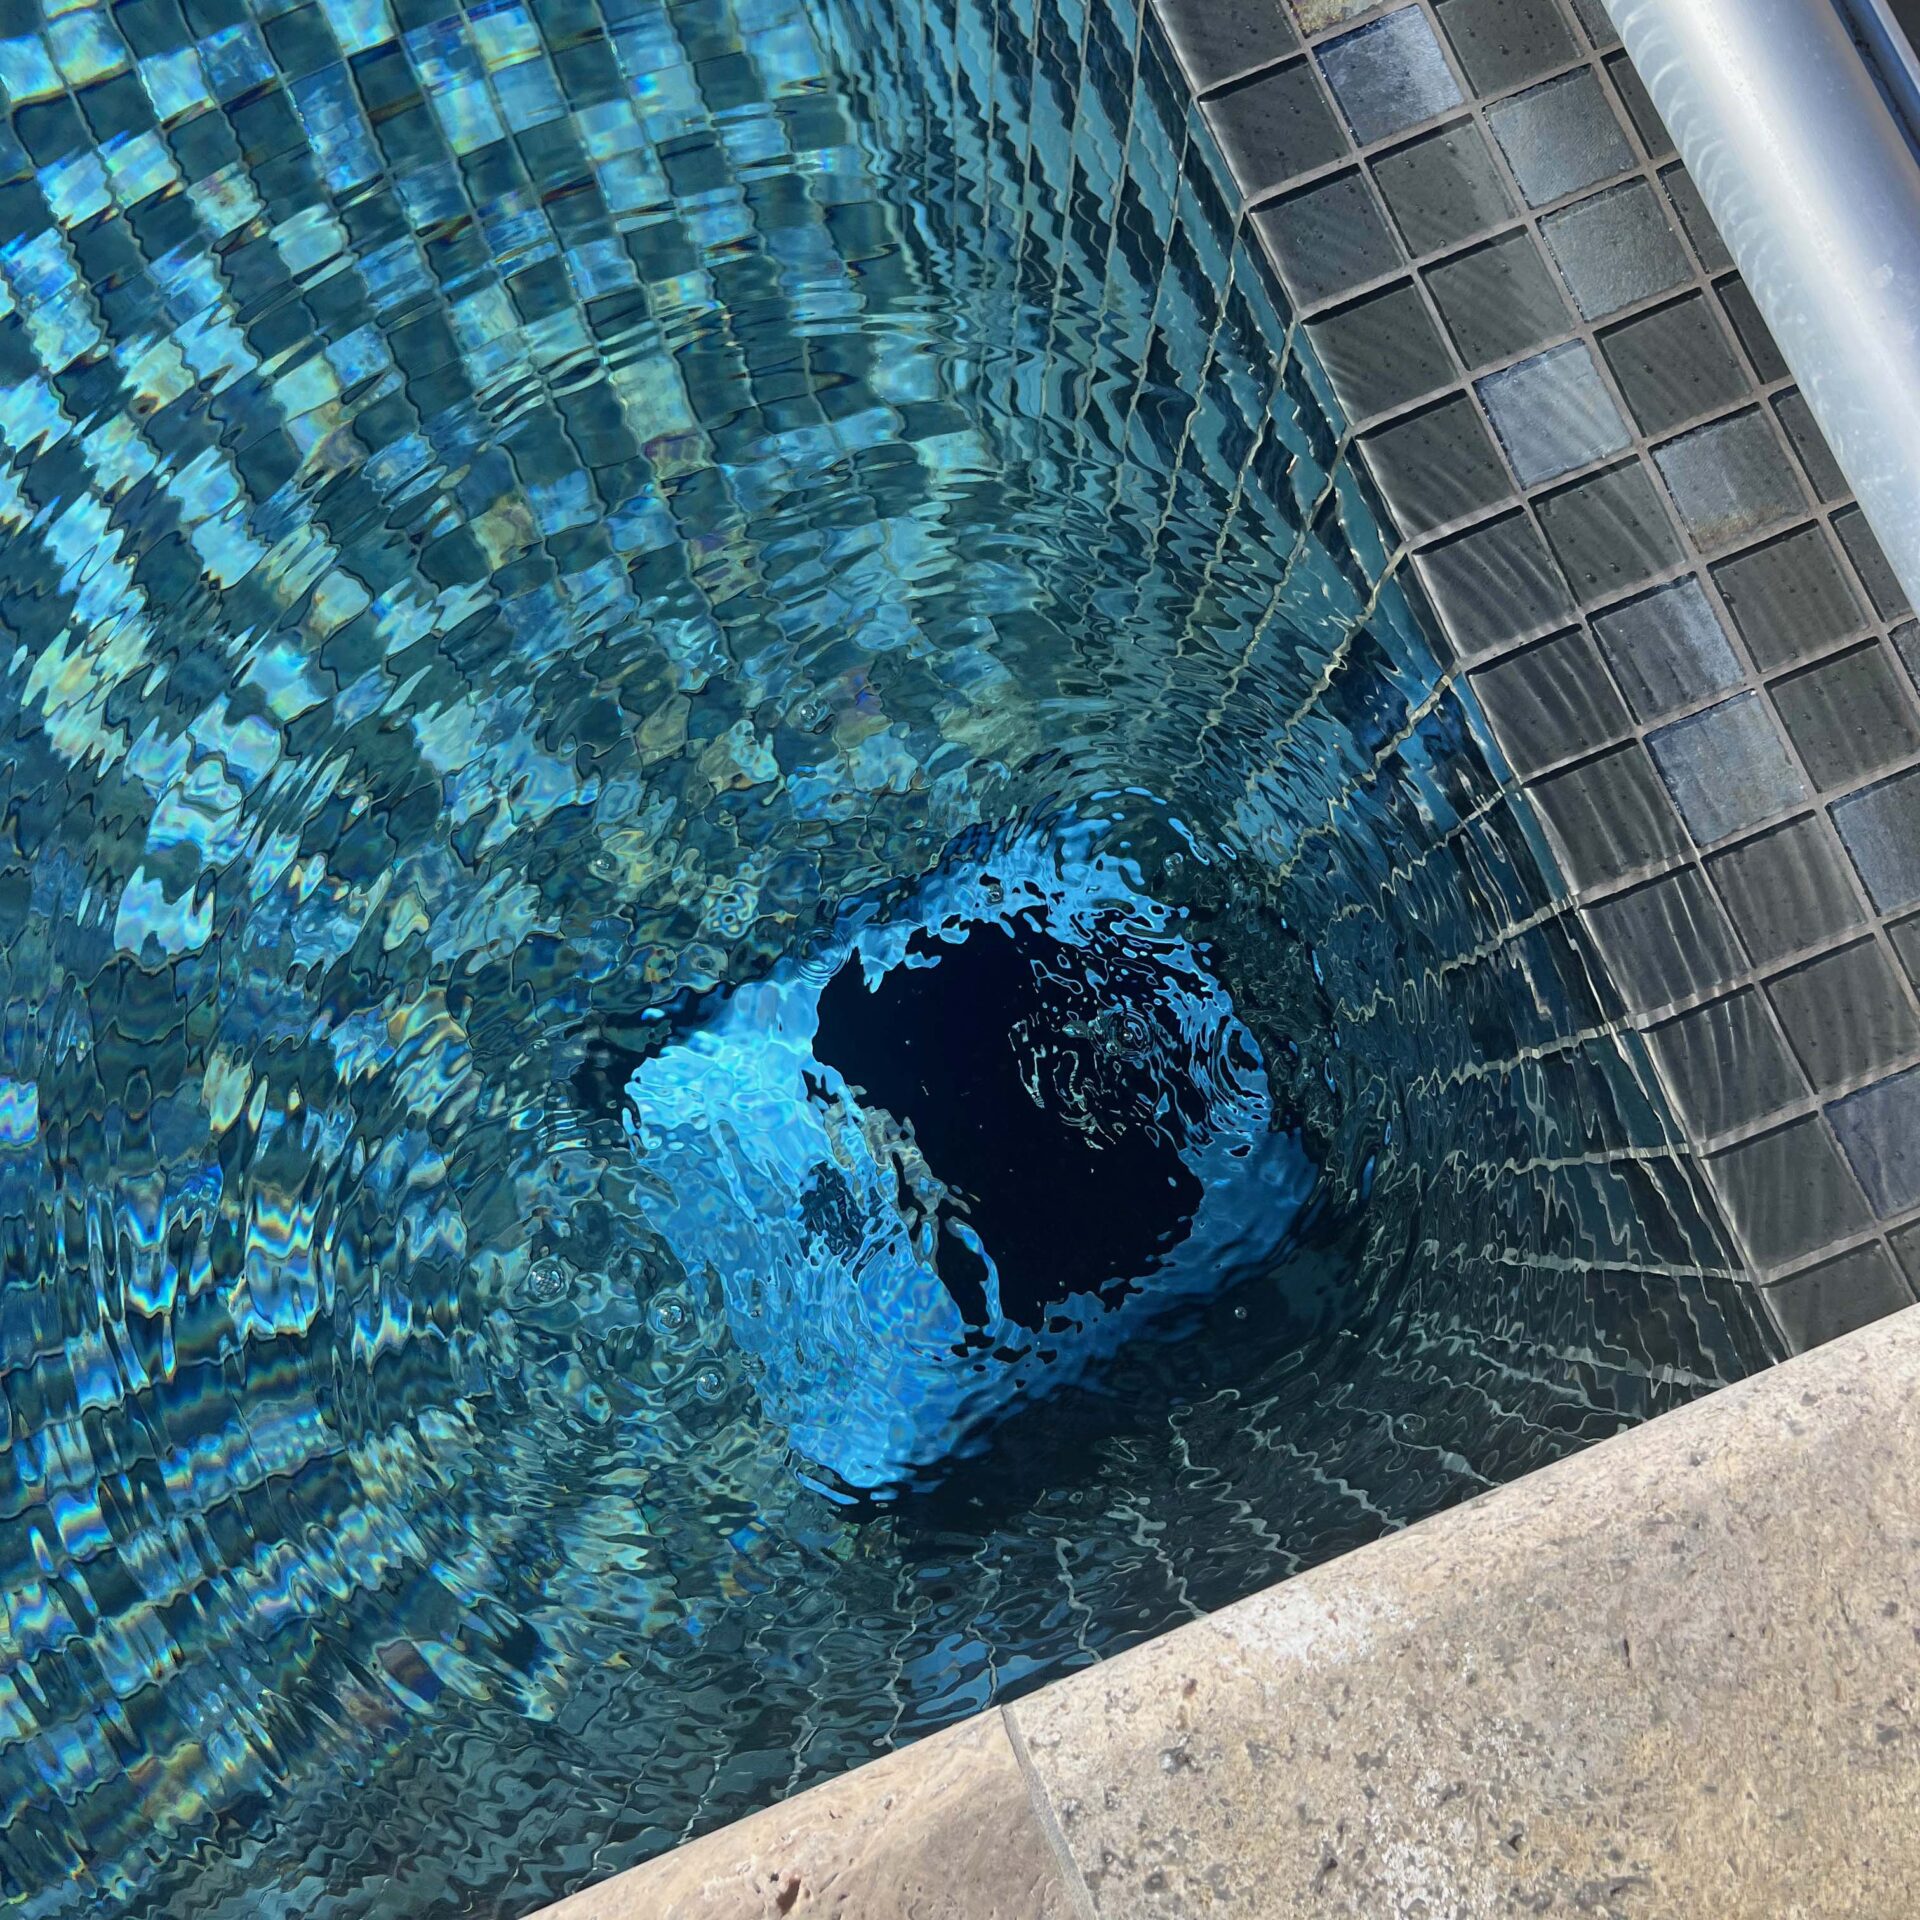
<point>1676,1673</point>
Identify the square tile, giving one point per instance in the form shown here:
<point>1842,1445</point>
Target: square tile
<point>1906,643</point>
<point>1838,1296</point>
<point>1504,43</point>
<point>1668,649</point>
<point>1848,717</point>
<point>1609,817</point>
<point>1436,465</point>
<point>1493,584</point>
<point>1274,127</point>
<point>1666,941</point>
<point>1642,114</point>
<point>1905,1242</point>
<point>1674,364</point>
<point>1560,137</point>
<point>1218,43</point>
<point>1389,75</point>
<point>1553,413</point>
<point>1727,768</point>
<point>1905,935</point>
<point>1879,1130</point>
<point>1730,479</point>
<point>1847,1014</point>
<point>1499,300</point>
<point>1596,25</point>
<point>1609,531</point>
<point>1788,1193</point>
<point>1870,563</point>
<point>1786,891</point>
<point>1328,239</point>
<point>1551,702</point>
<point>1750,330</point>
<point>1789,598</point>
<point>1695,221</point>
<point>1881,830</point>
<point>1381,352</point>
<point>1615,248</point>
<point>1726,1064</point>
<point>1809,444</point>
<point>1442,188</point>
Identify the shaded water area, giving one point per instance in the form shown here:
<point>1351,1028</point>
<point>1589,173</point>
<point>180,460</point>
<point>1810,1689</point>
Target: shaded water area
<point>752,984</point>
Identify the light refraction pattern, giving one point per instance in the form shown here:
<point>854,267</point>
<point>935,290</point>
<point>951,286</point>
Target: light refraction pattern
<point>511,516</point>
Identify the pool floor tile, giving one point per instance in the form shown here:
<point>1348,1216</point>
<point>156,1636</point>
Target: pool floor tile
<point>1789,1193</point>
<point>1381,352</point>
<point>1499,300</point>
<point>1881,829</point>
<point>1879,1129</point>
<point>1847,1014</point>
<point>1492,584</point>
<point>1674,364</point>
<point>1442,188</point>
<point>1553,413</point>
<point>1727,768</point>
<point>1848,717</point>
<point>1789,598</point>
<point>1610,816</point>
<point>1786,891</point>
<point>1551,702</point>
<point>1615,249</point>
<point>1436,465</point>
<point>1838,1296</point>
<point>1668,649</point>
<point>1218,43</point>
<point>1505,43</point>
<point>1610,531</point>
<point>1328,239</point>
<point>1389,75</point>
<point>1730,479</point>
<point>1275,127</point>
<point>1560,137</point>
<point>1726,1064</point>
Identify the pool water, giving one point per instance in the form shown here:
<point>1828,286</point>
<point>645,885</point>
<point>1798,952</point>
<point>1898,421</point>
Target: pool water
<point>755,981</point>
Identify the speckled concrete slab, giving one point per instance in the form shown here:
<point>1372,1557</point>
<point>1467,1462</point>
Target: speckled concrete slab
<point>1675,1675</point>
<point>945,1830</point>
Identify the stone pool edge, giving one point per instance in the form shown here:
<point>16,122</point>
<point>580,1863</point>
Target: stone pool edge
<point>1678,1672</point>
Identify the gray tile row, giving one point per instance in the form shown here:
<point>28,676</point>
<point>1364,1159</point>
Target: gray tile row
<point>1627,527</point>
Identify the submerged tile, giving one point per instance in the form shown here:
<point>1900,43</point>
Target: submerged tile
<point>1499,300</point>
<point>1809,444</point>
<point>1730,479</point>
<point>1789,1193</point>
<point>1560,137</point>
<point>1695,221</point>
<point>1750,330</point>
<point>1217,43</point>
<point>1443,188</point>
<point>1503,43</point>
<point>1786,891</point>
<point>1674,364</point>
<point>1389,75</point>
<point>1381,352</point>
<point>1879,1128</point>
<point>1493,584</point>
<point>1551,701</point>
<point>1553,413</point>
<point>1727,768</point>
<point>1275,127</point>
<point>1848,717</point>
<point>1667,940</point>
<point>1609,817</point>
<point>1328,239</point>
<point>1609,531</point>
<point>1727,1065</point>
<point>1436,465</point>
<point>1837,1296</point>
<point>1848,1014</point>
<point>1789,598</point>
<point>1870,563</point>
<point>1615,248</point>
<point>1641,112</point>
<point>1668,649</point>
<point>1881,829</point>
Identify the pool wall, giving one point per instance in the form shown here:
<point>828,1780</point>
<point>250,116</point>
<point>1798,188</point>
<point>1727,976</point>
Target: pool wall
<point>1619,514</point>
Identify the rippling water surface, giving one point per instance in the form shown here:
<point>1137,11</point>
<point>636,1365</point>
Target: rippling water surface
<point>751,985</point>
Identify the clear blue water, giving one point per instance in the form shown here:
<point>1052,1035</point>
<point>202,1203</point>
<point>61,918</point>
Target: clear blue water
<point>754,982</point>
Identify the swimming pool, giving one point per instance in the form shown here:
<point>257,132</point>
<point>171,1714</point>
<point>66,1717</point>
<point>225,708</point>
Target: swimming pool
<point>545,547</point>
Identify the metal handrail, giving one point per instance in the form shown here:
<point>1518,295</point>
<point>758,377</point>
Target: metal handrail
<point>1815,187</point>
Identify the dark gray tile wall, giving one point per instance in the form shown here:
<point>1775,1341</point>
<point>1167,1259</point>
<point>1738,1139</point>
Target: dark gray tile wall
<point>1645,560</point>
